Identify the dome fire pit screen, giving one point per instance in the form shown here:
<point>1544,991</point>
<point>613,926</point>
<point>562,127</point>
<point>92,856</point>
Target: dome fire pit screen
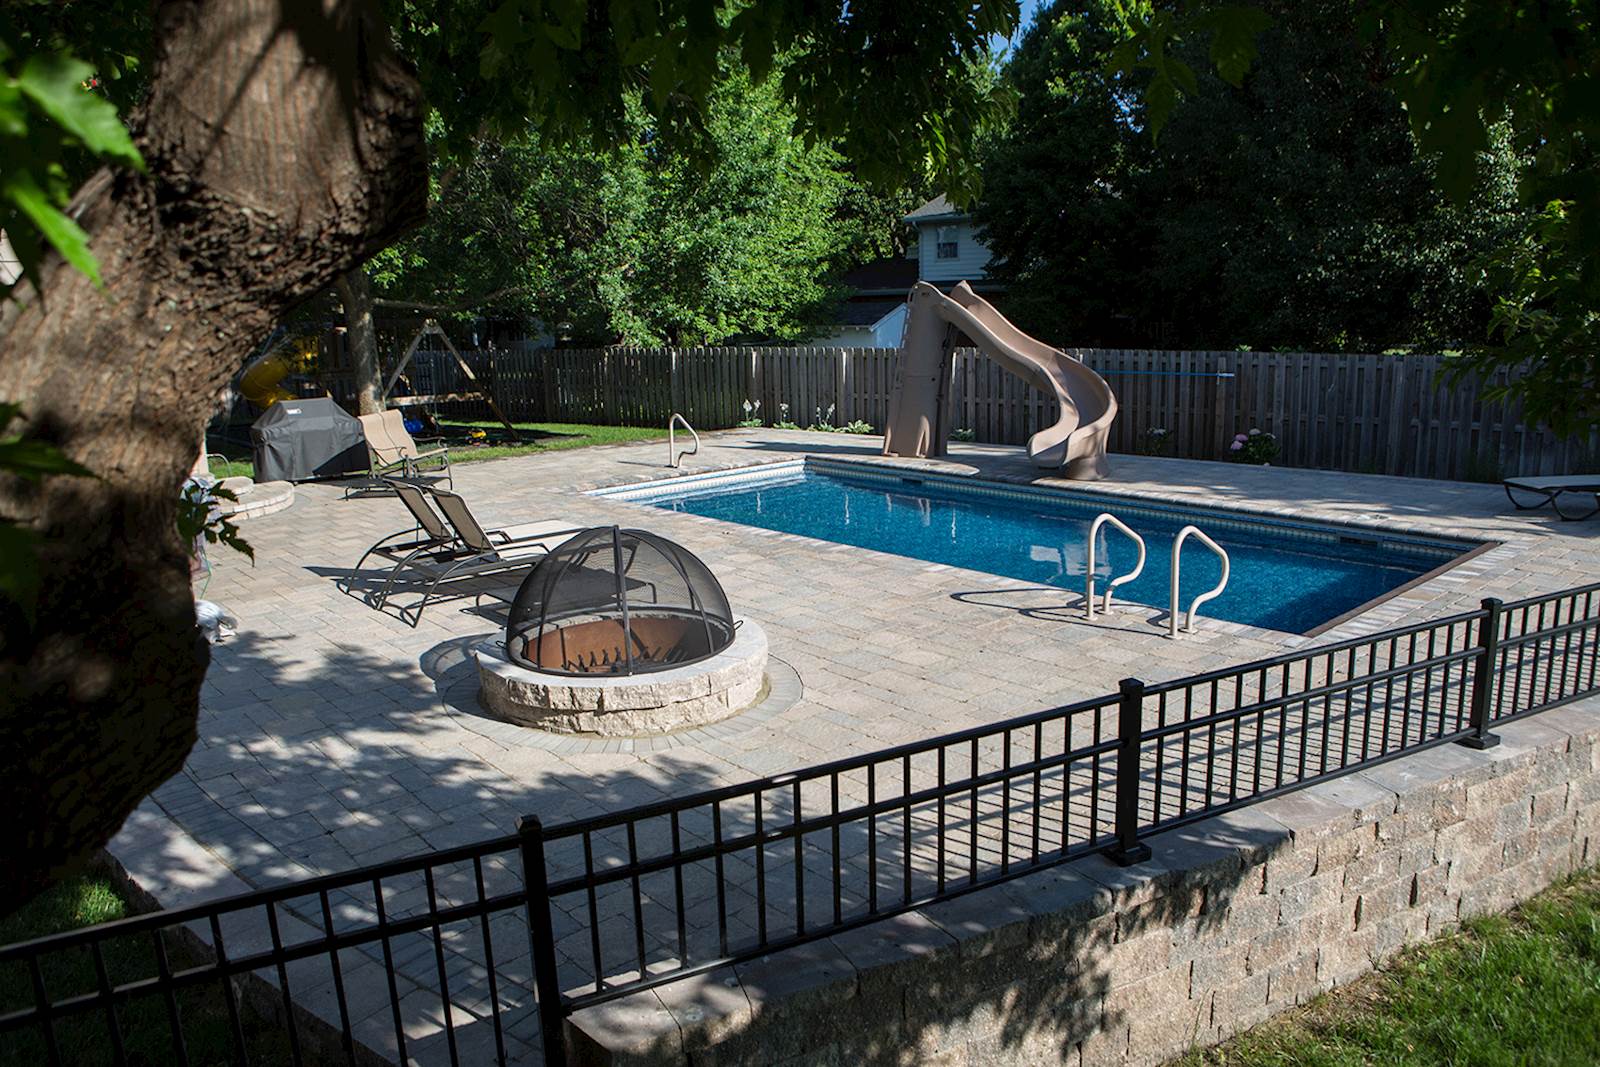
<point>611,601</point>
<point>620,633</point>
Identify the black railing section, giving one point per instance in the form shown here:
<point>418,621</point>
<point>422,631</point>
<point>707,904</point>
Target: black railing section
<point>469,955</point>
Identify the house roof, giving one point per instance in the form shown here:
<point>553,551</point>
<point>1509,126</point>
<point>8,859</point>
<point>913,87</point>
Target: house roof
<point>866,312</point>
<point>936,209</point>
<point>890,275</point>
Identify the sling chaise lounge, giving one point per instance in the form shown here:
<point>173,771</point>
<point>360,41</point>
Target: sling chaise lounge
<point>468,550</point>
<point>430,532</point>
<point>395,452</point>
<point>1550,490</point>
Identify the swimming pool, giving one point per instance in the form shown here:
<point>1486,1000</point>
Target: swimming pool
<point>1286,575</point>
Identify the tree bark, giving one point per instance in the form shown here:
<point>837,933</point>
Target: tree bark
<point>355,294</point>
<point>284,146</point>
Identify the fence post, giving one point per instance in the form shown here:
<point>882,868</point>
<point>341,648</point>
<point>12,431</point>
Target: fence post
<point>1483,676</point>
<point>542,940</point>
<point>1130,725</point>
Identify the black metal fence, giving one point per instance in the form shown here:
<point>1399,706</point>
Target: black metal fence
<point>467,955</point>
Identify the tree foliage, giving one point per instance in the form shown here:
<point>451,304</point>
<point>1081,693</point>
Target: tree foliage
<point>1471,76</point>
<point>1294,210</point>
<point>58,114</point>
<point>641,244</point>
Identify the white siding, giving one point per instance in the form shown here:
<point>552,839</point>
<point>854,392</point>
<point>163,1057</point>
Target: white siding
<point>970,264</point>
<point>885,333</point>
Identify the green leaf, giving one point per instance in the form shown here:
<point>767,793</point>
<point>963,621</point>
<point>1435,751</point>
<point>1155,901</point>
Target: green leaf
<point>67,236</point>
<point>55,84</point>
<point>19,576</point>
<point>1233,40</point>
<point>33,459</point>
<point>1159,100</point>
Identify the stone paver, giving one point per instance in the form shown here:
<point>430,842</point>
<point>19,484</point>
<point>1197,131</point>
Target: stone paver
<point>333,735</point>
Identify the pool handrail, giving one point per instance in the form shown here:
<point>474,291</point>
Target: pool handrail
<point>1088,592</point>
<point>674,457</point>
<point>1177,547</point>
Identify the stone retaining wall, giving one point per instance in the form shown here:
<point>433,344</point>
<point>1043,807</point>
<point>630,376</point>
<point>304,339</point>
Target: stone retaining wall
<point>1235,919</point>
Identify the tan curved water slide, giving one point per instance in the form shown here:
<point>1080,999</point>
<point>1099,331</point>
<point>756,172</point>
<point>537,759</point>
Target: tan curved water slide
<point>919,409</point>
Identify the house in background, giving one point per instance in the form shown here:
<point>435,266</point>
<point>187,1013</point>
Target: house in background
<point>946,251</point>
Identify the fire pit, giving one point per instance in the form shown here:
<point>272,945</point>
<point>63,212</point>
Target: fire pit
<point>620,633</point>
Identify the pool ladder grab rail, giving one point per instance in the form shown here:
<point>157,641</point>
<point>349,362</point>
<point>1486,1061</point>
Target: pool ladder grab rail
<point>1216,591</point>
<point>1088,593</point>
<point>674,457</point>
<point>1105,518</point>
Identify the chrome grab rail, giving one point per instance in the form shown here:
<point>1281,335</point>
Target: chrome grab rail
<point>1088,593</point>
<point>674,457</point>
<point>1177,547</point>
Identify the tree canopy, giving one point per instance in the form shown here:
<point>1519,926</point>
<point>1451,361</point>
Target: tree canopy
<point>1294,210</point>
<point>642,244</point>
<point>1471,78</point>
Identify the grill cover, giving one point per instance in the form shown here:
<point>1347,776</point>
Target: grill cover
<point>616,601</point>
<point>311,438</point>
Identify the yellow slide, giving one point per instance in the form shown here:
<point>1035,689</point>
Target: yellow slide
<point>262,381</point>
<point>919,409</point>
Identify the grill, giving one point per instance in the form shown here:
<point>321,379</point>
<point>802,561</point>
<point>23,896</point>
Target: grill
<point>616,601</point>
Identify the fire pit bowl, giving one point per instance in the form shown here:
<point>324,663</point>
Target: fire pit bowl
<point>621,633</point>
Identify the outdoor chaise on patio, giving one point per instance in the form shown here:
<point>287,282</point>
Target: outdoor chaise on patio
<point>395,453</point>
<point>1550,490</point>
<point>440,553</point>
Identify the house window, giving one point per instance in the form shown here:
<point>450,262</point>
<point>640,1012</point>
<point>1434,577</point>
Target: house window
<point>947,246</point>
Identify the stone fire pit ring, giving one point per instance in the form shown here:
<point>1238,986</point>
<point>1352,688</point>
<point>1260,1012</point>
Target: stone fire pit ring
<point>623,705</point>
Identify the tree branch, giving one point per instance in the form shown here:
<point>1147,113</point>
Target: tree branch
<point>449,309</point>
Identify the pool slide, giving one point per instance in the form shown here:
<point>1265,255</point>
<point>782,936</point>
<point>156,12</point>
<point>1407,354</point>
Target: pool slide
<point>919,409</point>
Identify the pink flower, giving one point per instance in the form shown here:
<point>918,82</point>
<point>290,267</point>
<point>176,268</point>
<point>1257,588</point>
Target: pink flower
<point>1236,446</point>
<point>1240,438</point>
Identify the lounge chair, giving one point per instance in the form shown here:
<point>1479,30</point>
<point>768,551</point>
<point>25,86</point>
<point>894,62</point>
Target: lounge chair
<point>429,531</point>
<point>467,550</point>
<point>1550,490</point>
<point>393,451</point>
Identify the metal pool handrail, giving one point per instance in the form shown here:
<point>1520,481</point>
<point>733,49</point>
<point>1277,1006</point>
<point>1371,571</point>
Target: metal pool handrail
<point>674,457</point>
<point>1177,547</point>
<point>1094,529</point>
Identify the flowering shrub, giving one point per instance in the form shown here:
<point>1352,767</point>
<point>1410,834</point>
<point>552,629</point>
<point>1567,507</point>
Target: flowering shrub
<point>824,422</point>
<point>752,414</point>
<point>1257,446</point>
<point>857,426</point>
<point>1157,441</point>
<point>784,422</point>
<point>963,434</point>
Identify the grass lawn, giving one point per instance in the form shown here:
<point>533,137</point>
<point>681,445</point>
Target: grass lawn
<point>537,437</point>
<point>1518,989</point>
<point>144,1021</point>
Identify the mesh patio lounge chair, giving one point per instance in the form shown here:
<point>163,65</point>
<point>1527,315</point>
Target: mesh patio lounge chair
<point>429,533</point>
<point>395,453</point>
<point>441,564</point>
<point>1550,490</point>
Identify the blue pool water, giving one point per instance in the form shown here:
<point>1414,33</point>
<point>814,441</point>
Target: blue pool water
<point>1285,575</point>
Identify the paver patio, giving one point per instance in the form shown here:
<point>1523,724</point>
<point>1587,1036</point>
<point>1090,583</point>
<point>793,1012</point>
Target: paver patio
<point>333,735</point>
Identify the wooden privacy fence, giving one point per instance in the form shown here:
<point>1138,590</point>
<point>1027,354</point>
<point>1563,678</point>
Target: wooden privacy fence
<point>1386,414</point>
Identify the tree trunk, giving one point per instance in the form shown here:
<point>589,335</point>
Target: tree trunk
<point>355,293</point>
<point>284,145</point>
